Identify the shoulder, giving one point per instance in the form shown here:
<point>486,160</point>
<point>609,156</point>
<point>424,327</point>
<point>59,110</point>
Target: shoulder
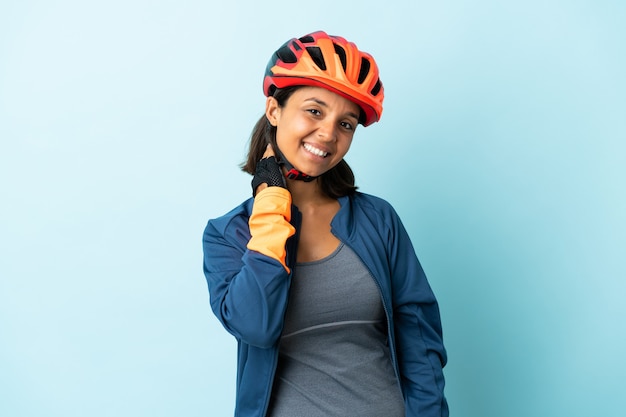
<point>233,223</point>
<point>367,213</point>
<point>372,204</point>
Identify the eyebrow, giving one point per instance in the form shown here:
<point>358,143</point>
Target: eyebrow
<point>323,104</point>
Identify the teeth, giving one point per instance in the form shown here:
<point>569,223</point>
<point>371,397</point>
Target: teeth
<point>315,151</point>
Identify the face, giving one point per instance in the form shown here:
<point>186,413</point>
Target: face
<point>314,128</point>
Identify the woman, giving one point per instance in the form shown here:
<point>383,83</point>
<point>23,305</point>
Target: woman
<point>319,283</point>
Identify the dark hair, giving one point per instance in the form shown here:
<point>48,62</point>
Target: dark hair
<point>335,183</point>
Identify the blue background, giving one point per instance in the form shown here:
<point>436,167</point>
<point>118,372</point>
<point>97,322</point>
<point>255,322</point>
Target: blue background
<point>502,146</point>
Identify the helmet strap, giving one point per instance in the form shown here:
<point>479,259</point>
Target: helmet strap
<point>292,173</point>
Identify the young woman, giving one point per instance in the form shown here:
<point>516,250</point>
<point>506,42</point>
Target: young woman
<point>319,283</point>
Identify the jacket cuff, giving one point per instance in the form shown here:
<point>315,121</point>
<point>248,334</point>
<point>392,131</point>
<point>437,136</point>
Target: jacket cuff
<point>269,223</point>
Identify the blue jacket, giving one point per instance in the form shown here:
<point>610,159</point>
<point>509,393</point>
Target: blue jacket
<point>249,293</point>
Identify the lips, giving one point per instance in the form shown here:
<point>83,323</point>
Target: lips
<point>315,151</point>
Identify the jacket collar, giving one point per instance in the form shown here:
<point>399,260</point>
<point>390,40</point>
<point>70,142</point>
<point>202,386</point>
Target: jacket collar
<point>342,224</point>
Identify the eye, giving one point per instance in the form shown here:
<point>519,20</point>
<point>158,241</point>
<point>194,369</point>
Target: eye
<point>314,112</point>
<point>347,125</point>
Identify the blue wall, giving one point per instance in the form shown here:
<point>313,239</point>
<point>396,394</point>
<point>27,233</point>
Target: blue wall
<point>501,146</point>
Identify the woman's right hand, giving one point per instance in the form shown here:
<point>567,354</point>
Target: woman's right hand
<point>268,172</point>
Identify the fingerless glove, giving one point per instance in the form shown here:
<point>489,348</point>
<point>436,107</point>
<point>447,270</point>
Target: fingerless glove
<point>268,171</point>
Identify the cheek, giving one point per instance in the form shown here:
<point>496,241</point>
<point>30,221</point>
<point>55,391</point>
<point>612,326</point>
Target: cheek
<point>281,137</point>
<point>289,135</point>
<point>283,142</point>
<point>345,146</point>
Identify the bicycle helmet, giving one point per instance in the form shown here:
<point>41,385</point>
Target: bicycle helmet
<point>330,62</point>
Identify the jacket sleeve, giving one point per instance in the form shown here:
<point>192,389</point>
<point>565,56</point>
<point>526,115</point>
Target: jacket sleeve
<point>244,264</point>
<point>417,327</point>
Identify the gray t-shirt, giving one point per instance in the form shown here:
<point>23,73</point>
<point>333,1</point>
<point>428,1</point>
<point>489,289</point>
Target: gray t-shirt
<point>334,359</point>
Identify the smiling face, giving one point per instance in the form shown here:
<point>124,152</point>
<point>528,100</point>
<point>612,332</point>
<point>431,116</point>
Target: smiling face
<point>314,128</point>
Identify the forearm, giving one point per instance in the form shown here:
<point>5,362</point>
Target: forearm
<point>244,263</point>
<point>269,223</point>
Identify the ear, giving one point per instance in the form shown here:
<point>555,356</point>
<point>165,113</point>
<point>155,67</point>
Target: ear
<point>272,110</point>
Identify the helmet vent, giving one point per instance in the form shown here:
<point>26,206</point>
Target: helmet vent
<point>365,69</point>
<point>376,88</point>
<point>307,39</point>
<point>286,55</point>
<point>316,55</point>
<point>342,56</point>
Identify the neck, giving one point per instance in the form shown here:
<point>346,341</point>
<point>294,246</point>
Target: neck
<point>307,194</point>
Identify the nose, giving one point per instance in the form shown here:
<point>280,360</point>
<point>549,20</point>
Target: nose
<point>327,130</point>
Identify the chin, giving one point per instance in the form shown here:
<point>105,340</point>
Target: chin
<point>316,172</point>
